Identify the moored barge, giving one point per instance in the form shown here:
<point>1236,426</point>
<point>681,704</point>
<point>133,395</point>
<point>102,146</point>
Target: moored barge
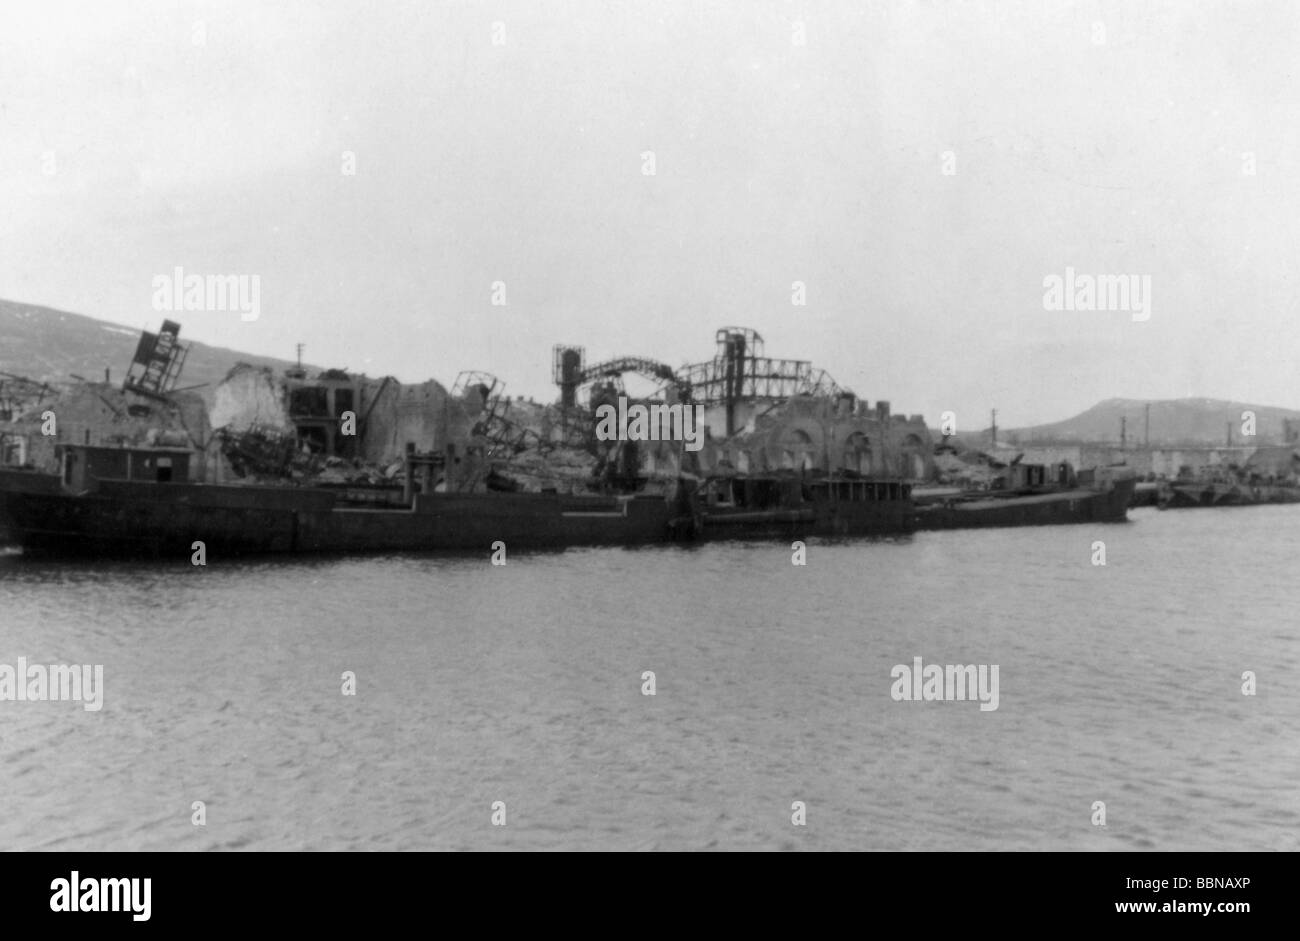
<point>796,506</point>
<point>1033,495</point>
<point>137,502</point>
<point>1184,494</point>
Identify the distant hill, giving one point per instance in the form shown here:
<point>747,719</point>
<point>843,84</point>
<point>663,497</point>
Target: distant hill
<point>1173,421</point>
<point>51,345</point>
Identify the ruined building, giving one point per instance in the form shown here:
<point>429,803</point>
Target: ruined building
<point>761,415</point>
<point>341,419</point>
<point>765,415</point>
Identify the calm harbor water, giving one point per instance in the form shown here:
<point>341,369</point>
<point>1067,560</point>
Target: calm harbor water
<point>523,684</point>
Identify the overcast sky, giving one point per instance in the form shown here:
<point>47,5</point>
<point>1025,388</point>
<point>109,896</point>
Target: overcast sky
<point>792,142</point>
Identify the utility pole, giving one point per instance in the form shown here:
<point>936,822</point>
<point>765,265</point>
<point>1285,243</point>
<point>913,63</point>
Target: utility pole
<point>1147,437</point>
<point>1123,432</point>
<point>993,440</point>
<point>300,356</point>
<point>1229,434</point>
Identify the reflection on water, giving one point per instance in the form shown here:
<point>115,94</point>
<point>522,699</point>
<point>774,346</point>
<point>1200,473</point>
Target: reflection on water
<point>478,683</point>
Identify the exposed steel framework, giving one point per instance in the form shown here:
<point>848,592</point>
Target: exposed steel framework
<point>505,437</point>
<point>158,361</point>
<point>740,370</point>
<point>571,372</point>
<point>494,402</point>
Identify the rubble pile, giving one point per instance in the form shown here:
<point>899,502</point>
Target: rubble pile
<point>524,424</point>
<point>262,451</point>
<point>263,454</point>
<point>971,470</point>
<point>534,447</point>
<point>567,470</point>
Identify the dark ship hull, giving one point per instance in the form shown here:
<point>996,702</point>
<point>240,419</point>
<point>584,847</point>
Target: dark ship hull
<point>1178,496</point>
<point>165,519</point>
<point>796,508</point>
<point>1108,504</point>
<point>1146,494</point>
<point>128,517</point>
<point>13,480</point>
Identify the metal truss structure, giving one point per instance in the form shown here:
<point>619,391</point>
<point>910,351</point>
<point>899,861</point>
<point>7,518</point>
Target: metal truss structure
<point>158,361</point>
<point>740,370</point>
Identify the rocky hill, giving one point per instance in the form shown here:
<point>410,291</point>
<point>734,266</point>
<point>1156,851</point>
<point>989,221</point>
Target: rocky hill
<point>1173,421</point>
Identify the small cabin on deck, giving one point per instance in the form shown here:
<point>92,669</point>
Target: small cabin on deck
<point>1033,476</point>
<point>82,464</point>
<point>760,493</point>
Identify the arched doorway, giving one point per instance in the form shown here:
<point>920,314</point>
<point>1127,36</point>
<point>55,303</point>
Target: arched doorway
<point>911,458</point>
<point>857,453</point>
<point>797,450</point>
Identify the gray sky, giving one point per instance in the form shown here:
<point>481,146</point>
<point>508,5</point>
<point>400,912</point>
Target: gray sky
<point>211,135</point>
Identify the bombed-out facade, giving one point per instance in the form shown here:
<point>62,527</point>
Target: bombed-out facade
<point>757,415</point>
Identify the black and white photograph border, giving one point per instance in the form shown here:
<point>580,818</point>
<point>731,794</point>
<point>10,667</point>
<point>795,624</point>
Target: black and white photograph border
<point>741,425</point>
